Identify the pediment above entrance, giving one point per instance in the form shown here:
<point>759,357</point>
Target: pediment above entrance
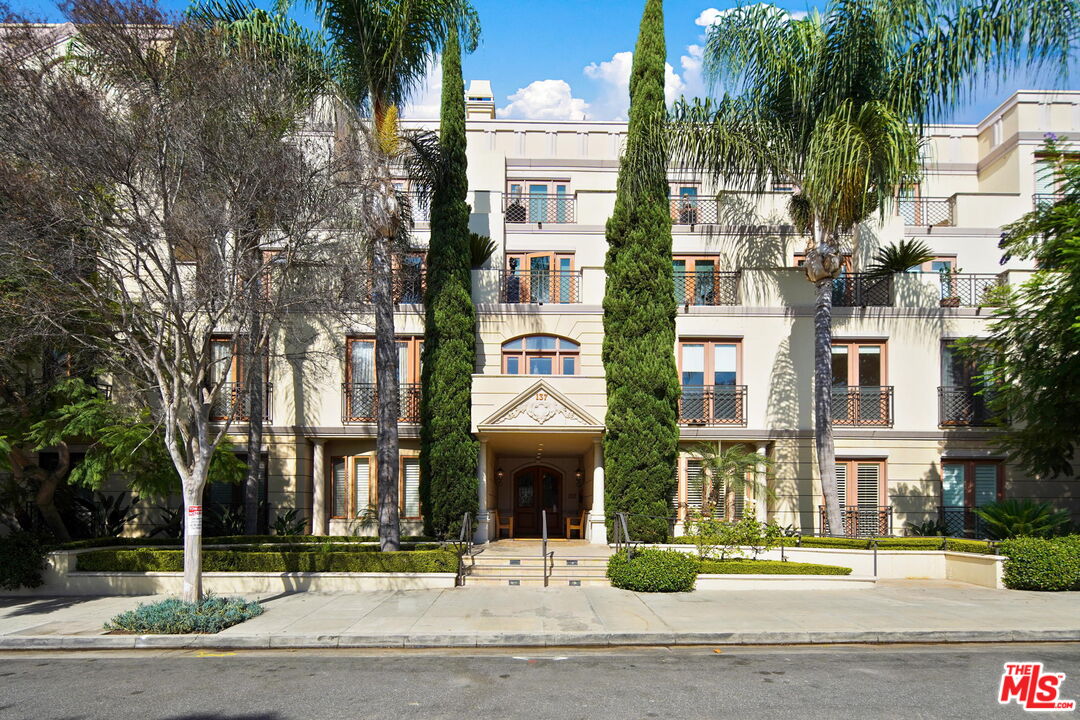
<point>541,406</point>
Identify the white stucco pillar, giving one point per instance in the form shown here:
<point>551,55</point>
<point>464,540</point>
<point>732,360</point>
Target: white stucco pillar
<point>318,488</point>
<point>483,517</point>
<point>761,498</point>
<point>597,532</point>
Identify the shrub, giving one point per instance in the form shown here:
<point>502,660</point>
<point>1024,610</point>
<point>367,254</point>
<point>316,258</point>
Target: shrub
<point>710,534</point>
<point>176,617</point>
<point>1042,563</point>
<point>232,540</point>
<point>769,567</point>
<point>653,571</point>
<point>291,522</point>
<point>147,560</point>
<point>1021,518</point>
<point>22,561</point>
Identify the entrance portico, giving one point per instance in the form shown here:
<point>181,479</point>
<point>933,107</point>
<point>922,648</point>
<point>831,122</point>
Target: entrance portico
<point>540,459</point>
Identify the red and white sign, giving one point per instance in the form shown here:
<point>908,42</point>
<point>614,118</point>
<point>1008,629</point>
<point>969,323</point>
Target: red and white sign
<point>194,520</point>
<point>1033,689</point>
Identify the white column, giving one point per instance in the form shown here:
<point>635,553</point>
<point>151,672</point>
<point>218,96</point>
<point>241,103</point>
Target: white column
<point>761,498</point>
<point>318,489</point>
<point>597,526</point>
<point>483,517</point>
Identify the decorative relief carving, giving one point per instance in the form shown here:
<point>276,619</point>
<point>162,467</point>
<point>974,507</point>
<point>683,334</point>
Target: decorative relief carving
<point>541,407</point>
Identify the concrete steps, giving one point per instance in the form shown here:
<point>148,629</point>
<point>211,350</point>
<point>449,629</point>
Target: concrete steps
<point>528,570</point>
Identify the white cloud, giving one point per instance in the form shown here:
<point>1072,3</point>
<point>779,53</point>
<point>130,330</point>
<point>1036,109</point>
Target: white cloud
<point>427,99</point>
<point>613,82</point>
<point>710,16</point>
<point>545,100</point>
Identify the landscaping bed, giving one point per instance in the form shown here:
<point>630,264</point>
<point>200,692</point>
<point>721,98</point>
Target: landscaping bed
<point>983,547</point>
<point>175,617</point>
<point>768,567</point>
<point>1042,563</point>
<point>233,540</point>
<point>158,560</point>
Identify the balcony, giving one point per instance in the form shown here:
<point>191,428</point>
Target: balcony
<point>713,405</point>
<point>862,406</point>
<point>536,208</point>
<point>1045,200</point>
<point>862,290</point>
<point>860,520</point>
<point>232,403</point>
<point>927,211</point>
<point>553,287</point>
<point>706,288</point>
<point>692,210</point>
<point>420,207</point>
<point>962,406</point>
<point>961,521</point>
<point>360,402</point>
<point>968,290</point>
<point>407,285</point>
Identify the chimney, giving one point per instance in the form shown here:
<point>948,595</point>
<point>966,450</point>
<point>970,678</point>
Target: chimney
<point>479,100</point>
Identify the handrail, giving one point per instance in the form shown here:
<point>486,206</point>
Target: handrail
<point>544,545</point>
<point>465,543</point>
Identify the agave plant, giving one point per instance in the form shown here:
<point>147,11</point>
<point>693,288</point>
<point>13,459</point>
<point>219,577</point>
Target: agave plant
<point>1022,518</point>
<point>900,257</point>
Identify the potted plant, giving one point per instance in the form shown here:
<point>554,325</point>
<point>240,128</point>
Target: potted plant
<point>950,296</point>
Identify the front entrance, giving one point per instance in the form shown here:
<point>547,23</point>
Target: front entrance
<point>537,489</point>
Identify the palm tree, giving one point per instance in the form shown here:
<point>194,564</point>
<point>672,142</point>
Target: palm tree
<point>835,105</point>
<point>727,472</point>
<point>384,50</point>
<point>899,257</point>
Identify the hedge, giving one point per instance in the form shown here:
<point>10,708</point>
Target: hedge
<point>1042,563</point>
<point>229,540</point>
<point>769,567</point>
<point>174,616</point>
<point>22,561</point>
<point>148,560</point>
<point>652,570</point>
<point>883,543</point>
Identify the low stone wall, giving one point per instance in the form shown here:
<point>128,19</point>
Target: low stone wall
<point>61,578</point>
<point>983,570</point>
<point>709,581</point>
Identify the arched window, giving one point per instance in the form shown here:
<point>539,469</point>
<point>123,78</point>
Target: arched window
<point>540,355</point>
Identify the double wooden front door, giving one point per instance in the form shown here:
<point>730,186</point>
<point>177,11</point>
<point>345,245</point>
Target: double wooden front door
<point>537,489</point>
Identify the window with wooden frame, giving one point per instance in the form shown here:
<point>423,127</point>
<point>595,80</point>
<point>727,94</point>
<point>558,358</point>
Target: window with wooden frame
<point>227,370</point>
<point>972,483</point>
<point>685,203</point>
<point>710,371</point>
<point>862,488</point>
<point>540,355</point>
<point>540,277</point>
<point>360,394</point>
<point>860,392</point>
<point>699,281</point>
<point>1049,175</point>
<point>354,486</point>
<point>538,201</point>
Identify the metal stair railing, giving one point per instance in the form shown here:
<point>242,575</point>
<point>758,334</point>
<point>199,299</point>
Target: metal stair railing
<point>465,547</point>
<point>545,557</point>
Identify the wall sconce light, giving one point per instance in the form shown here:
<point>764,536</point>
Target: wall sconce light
<point>499,474</point>
<point>579,475</point>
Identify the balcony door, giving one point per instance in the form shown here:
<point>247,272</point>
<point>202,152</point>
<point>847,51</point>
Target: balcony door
<point>709,372</point>
<point>860,485</point>
<point>360,394</point>
<point>537,489</point>
<point>541,277</point>
<point>695,280</point>
<point>966,485</point>
<point>858,371</point>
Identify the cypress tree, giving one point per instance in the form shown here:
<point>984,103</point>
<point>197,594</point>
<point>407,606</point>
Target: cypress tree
<point>448,452</point>
<point>642,438</point>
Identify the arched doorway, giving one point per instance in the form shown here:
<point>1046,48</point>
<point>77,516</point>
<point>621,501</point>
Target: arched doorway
<point>536,489</point>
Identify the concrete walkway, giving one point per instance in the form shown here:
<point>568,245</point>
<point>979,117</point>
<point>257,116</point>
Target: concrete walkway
<point>894,611</point>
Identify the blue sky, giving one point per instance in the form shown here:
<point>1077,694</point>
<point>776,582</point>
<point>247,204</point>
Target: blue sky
<point>568,59</point>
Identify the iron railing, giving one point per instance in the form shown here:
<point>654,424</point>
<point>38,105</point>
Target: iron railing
<point>465,547</point>
<point>420,207</point>
<point>233,403</point>
<point>1043,200</point>
<point>961,521</point>
<point>692,210</point>
<point>693,287</point>
<point>862,405</point>
<point>407,285</point>
<point>960,405</point>
<point>548,559</point>
<point>927,211</point>
<point>360,402</point>
<point>622,534</point>
<point>968,290</point>
<point>555,287</point>
<point>860,520</point>
<point>713,405</point>
<point>536,208</point>
<point>862,290</point>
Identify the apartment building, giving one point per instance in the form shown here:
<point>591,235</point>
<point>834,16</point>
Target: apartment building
<point>912,442</point>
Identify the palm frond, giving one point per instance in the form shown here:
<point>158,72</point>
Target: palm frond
<point>900,257</point>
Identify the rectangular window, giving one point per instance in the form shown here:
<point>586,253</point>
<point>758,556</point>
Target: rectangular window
<point>361,486</point>
<point>711,393</point>
<point>971,483</point>
<point>541,277</point>
<point>861,395</point>
<point>698,281</point>
<point>353,485</point>
<point>410,494</point>
<point>862,491</point>
<point>539,201</point>
<point>340,487</point>
<point>695,488</point>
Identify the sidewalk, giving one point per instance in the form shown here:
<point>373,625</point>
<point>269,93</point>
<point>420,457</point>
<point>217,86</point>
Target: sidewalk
<point>893,612</point>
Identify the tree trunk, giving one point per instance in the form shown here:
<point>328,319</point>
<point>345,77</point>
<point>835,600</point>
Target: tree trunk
<point>823,436</point>
<point>255,388</point>
<point>729,501</point>
<point>386,382</point>
<point>192,525</point>
<point>45,497</point>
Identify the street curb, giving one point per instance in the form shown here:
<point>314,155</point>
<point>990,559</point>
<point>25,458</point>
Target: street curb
<point>495,639</point>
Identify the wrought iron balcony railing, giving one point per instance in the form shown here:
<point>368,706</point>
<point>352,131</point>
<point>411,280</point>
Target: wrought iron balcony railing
<point>713,405</point>
<point>862,405</point>
<point>406,284</point>
<point>927,211</point>
<point>535,208</point>
<point>233,403</point>
<point>360,402</point>
<point>862,290</point>
<point>961,521</point>
<point>706,288</point>
<point>860,520</point>
<point>962,405</point>
<point>1042,200</point>
<point>692,210</point>
<point>555,287</point>
<point>421,207</point>
<point>968,290</point>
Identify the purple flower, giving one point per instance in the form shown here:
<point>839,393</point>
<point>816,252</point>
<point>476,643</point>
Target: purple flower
<point>1050,136</point>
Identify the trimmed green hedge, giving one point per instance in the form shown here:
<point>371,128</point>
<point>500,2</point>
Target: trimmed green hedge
<point>175,617</point>
<point>1042,563</point>
<point>883,543</point>
<point>229,540</point>
<point>22,561</point>
<point>147,560</point>
<point>653,570</point>
<point>769,567</point>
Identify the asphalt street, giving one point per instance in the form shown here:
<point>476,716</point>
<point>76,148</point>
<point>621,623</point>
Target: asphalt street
<point>951,681</point>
